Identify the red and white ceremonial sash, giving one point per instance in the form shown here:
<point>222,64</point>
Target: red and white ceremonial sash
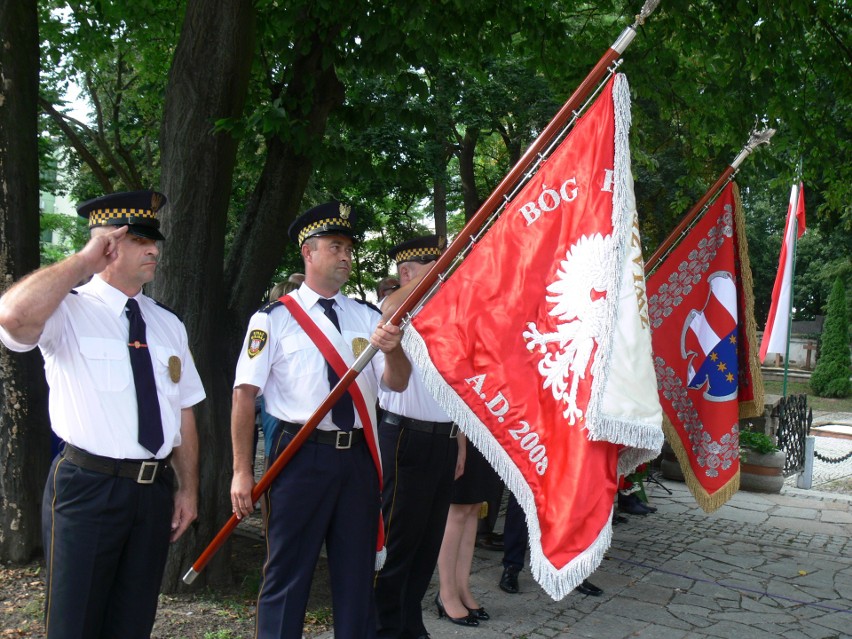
<point>703,333</point>
<point>538,345</point>
<point>339,356</point>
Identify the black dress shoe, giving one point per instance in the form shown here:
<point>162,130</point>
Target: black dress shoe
<point>468,620</point>
<point>479,613</point>
<point>509,580</point>
<point>632,505</point>
<point>618,519</point>
<point>588,588</point>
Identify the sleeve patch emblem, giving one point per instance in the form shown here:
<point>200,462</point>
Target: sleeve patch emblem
<point>257,341</point>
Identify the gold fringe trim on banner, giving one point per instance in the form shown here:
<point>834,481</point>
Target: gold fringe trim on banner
<point>755,407</point>
<point>708,503</point>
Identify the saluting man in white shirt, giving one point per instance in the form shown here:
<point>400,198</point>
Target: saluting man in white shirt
<point>126,482</point>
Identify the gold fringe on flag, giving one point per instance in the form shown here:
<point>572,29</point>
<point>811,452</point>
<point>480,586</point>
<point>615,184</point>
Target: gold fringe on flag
<point>755,406</point>
<point>709,503</point>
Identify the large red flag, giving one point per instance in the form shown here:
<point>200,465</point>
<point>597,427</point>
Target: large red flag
<point>778,323</point>
<point>538,345</point>
<point>702,320</point>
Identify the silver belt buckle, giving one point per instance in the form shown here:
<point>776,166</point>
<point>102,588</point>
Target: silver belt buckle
<point>143,477</point>
<point>454,431</point>
<point>344,440</point>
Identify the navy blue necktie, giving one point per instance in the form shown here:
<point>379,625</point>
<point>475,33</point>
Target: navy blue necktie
<point>148,406</point>
<point>343,412</point>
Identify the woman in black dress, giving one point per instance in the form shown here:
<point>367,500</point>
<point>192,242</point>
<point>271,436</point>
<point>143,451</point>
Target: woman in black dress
<point>454,598</point>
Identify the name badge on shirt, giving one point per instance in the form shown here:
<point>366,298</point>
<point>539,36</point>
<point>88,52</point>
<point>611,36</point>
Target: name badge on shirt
<point>174,368</point>
<point>359,345</point>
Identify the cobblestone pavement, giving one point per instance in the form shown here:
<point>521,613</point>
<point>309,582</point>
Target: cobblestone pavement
<point>762,566</point>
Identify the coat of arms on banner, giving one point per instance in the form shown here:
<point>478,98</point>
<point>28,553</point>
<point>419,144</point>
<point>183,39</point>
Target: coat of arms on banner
<point>709,341</point>
<point>578,296</point>
<point>705,381</point>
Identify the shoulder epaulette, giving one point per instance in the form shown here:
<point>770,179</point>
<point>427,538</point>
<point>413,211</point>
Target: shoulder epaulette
<point>266,308</point>
<point>366,303</point>
<point>163,306</point>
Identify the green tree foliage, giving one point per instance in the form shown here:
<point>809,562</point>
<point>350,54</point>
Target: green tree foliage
<point>118,54</point>
<point>413,111</point>
<point>831,375</point>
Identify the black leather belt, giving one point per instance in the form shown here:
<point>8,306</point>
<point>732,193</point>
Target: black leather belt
<point>436,428</point>
<point>342,440</point>
<point>139,470</point>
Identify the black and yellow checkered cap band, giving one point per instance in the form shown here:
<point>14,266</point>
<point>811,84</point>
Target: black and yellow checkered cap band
<point>417,255</point>
<point>101,217</point>
<point>328,224</point>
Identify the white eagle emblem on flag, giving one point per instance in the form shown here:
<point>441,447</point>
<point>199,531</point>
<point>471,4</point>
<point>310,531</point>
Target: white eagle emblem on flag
<point>578,296</point>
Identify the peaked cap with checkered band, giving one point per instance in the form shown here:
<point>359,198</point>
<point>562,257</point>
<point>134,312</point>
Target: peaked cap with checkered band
<point>420,249</point>
<point>136,209</point>
<point>331,218</point>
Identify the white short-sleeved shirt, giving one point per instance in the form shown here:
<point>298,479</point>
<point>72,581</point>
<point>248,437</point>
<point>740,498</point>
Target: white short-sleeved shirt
<point>281,360</point>
<point>415,401</point>
<point>87,364</point>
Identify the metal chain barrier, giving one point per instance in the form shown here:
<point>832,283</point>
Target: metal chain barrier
<point>829,460</point>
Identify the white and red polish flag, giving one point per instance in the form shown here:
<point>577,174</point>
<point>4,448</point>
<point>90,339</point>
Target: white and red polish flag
<point>539,345</point>
<point>778,323</point>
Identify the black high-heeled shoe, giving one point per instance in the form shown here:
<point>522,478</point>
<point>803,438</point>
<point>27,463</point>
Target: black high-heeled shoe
<point>468,620</point>
<point>480,614</point>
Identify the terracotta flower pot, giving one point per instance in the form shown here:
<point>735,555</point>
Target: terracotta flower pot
<point>762,473</point>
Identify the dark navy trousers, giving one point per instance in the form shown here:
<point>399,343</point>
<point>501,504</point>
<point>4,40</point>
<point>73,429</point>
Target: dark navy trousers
<point>514,535</point>
<point>323,495</point>
<point>105,544</point>
<point>418,472</point>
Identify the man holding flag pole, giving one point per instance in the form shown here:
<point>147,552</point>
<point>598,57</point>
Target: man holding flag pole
<point>561,439</point>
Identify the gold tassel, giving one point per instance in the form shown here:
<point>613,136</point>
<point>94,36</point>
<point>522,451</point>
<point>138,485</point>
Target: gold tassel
<point>708,503</point>
<point>483,510</point>
<point>754,407</point>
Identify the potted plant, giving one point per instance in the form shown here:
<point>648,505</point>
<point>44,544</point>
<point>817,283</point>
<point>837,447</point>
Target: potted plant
<point>761,463</point>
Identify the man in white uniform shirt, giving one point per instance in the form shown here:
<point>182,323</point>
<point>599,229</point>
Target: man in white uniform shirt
<point>421,455</point>
<point>110,506</point>
<point>330,491</point>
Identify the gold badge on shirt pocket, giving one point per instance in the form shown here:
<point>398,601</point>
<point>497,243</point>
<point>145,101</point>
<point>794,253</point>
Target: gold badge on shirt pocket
<point>174,368</point>
<point>359,345</point>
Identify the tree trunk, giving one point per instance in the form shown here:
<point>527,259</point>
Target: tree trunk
<point>439,204</point>
<point>278,195</point>
<point>208,81</point>
<point>24,424</point>
<point>467,172</point>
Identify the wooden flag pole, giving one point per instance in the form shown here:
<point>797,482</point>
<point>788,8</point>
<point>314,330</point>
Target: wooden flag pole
<point>756,139</point>
<point>550,133</point>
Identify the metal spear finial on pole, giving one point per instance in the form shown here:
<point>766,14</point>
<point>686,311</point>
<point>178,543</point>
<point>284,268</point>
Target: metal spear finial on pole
<point>646,10</point>
<point>756,139</point>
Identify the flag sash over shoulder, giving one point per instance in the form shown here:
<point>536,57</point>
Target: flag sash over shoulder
<point>703,331</point>
<point>521,344</point>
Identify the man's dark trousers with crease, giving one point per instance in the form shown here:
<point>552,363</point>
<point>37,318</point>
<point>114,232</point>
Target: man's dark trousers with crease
<point>418,470</point>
